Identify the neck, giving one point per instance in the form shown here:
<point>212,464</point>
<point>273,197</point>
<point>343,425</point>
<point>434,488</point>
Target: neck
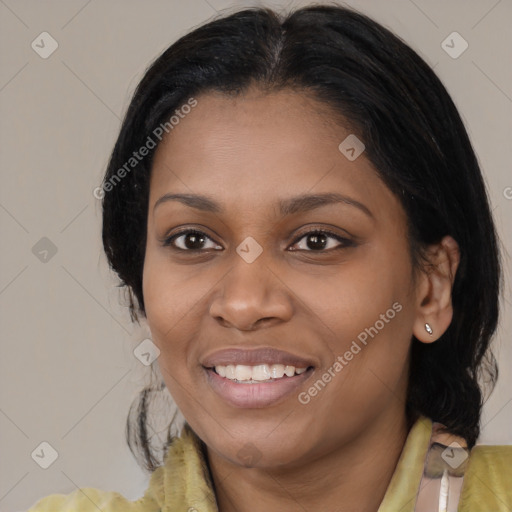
<point>339,480</point>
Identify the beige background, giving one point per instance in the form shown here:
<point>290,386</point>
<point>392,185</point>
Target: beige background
<point>67,369</point>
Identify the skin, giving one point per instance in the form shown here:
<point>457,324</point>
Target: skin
<point>247,153</point>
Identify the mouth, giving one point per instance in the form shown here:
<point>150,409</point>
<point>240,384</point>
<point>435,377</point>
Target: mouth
<point>256,386</point>
<point>256,377</point>
<point>245,374</point>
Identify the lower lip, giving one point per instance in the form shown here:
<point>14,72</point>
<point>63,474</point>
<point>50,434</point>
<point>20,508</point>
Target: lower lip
<point>255,395</point>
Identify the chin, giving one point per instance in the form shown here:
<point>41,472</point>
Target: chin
<point>264,448</point>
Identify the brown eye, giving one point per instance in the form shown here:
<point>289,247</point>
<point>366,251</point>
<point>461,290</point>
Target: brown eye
<point>190,240</point>
<point>317,240</point>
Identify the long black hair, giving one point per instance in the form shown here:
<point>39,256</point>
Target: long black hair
<point>414,137</point>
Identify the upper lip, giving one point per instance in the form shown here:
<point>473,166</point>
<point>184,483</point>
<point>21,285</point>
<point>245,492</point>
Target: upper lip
<point>266,355</point>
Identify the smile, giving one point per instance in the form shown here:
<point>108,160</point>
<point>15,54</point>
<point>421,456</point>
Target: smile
<point>252,393</point>
<point>258,373</point>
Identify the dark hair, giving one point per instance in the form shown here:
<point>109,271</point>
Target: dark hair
<point>413,134</point>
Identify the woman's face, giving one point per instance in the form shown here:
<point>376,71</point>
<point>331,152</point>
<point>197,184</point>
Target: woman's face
<point>341,305</point>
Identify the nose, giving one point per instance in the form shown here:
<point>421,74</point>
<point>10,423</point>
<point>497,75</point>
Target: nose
<point>251,296</point>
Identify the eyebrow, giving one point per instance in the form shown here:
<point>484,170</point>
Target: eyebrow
<point>298,204</point>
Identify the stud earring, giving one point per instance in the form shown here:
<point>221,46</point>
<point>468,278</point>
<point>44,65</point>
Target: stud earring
<point>428,329</point>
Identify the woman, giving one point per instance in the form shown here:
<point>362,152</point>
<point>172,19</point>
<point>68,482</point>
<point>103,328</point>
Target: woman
<point>298,214</point>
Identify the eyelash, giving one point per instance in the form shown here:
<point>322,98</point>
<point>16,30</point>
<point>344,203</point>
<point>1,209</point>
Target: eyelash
<point>345,242</point>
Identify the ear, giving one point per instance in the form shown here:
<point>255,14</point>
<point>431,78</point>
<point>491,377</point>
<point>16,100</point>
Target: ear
<point>434,290</point>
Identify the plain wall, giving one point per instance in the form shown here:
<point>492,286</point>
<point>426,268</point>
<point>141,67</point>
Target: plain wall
<point>67,369</point>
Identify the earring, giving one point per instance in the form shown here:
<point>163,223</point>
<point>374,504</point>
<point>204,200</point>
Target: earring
<point>428,329</point>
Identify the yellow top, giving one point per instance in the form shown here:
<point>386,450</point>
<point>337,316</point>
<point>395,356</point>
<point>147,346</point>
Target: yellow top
<point>183,484</point>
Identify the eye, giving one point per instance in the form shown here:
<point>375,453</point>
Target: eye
<point>192,240</point>
<point>319,240</point>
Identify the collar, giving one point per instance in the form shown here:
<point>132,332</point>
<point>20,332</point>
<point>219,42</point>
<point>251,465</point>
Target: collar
<point>403,488</point>
<point>184,482</point>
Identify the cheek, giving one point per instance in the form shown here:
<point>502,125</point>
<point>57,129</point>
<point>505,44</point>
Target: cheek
<point>175,299</point>
<point>369,314</point>
<point>166,313</point>
<point>170,291</point>
<point>354,297</point>
<point>165,299</point>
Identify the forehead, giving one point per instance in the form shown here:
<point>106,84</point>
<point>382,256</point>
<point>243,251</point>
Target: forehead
<point>255,147</point>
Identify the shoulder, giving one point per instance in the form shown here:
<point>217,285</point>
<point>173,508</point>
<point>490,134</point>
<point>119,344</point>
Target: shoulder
<point>88,499</point>
<point>182,480</point>
<point>487,479</point>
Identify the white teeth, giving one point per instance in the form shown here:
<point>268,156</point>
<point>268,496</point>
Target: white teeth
<point>260,372</point>
<point>243,372</point>
<point>230,371</point>
<point>289,371</point>
<point>277,371</point>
